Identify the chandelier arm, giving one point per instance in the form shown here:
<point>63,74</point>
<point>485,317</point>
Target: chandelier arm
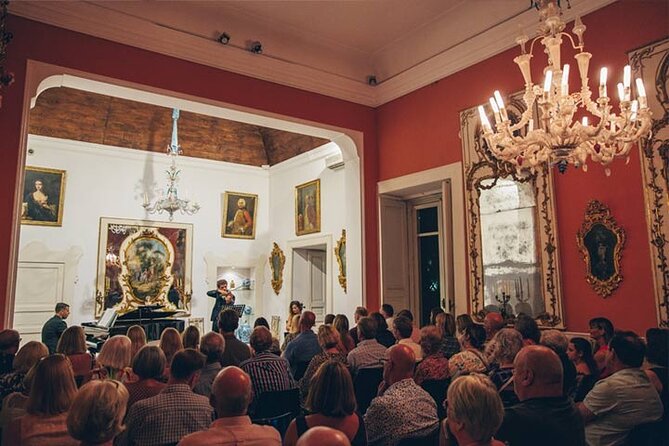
<point>531,51</point>
<point>573,45</point>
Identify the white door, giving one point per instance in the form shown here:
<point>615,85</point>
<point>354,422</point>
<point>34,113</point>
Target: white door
<point>317,282</point>
<point>394,253</point>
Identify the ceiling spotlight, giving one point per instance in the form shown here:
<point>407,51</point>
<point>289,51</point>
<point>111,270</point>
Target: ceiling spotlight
<point>371,80</point>
<point>224,38</point>
<point>255,47</point>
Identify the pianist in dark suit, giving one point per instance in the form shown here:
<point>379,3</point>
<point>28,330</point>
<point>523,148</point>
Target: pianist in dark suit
<point>55,326</point>
<point>224,298</point>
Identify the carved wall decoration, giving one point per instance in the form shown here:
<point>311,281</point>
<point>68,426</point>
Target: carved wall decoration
<point>651,63</point>
<point>340,254</point>
<point>512,286</point>
<point>277,260</point>
<point>601,241</point>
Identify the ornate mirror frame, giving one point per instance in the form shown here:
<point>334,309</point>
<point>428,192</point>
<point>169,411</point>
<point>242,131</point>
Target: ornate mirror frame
<point>479,165</point>
<point>651,63</point>
<point>340,254</point>
<point>277,260</point>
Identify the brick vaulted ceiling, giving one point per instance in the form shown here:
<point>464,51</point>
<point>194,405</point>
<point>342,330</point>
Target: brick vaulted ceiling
<point>83,116</point>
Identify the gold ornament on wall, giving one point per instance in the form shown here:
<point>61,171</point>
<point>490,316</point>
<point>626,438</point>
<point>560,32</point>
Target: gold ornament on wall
<point>340,254</point>
<point>601,241</point>
<point>276,263</point>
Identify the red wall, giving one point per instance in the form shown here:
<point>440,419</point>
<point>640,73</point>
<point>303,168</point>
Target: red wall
<point>427,122</point>
<point>40,42</point>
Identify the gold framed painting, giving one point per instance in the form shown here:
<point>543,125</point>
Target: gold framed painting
<point>277,260</point>
<point>340,254</point>
<point>308,208</point>
<point>239,215</point>
<point>43,196</point>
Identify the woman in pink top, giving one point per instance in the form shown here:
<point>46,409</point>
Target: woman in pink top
<point>51,395</point>
<point>72,343</point>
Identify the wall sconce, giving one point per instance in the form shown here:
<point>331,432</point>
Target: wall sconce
<point>224,38</point>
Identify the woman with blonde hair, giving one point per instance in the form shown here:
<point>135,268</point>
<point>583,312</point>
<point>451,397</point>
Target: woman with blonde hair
<point>51,395</point>
<point>293,331</point>
<point>475,412</point>
<point>434,366</point>
<point>97,412</point>
<point>72,344</point>
<point>501,351</point>
<point>137,337</point>
<point>25,359</point>
<point>328,339</point>
<point>190,338</point>
<point>445,323</point>
<point>170,344</point>
<point>114,359</point>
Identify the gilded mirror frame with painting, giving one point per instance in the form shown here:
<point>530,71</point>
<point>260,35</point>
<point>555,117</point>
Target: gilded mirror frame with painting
<point>340,254</point>
<point>482,172</point>
<point>277,260</point>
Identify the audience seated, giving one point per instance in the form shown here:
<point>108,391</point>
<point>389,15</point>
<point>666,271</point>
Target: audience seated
<point>492,322</point>
<point>475,412</point>
<point>170,344</point>
<point>262,322</point>
<point>434,312</point>
<point>305,346</point>
<point>148,367</point>
<point>235,350</point>
<point>601,331</point>
<point>402,330</point>
<point>323,436</point>
<point>331,402</point>
<point>434,366</point>
<point>341,325</point>
<point>657,370</point>
<point>388,419</point>
<point>175,412</point>
<point>137,337</point>
<point>384,336</point>
<point>51,395</point>
<point>623,400</point>
<point>191,337</point>
<point>97,412</point>
<point>14,404</point>
<point>24,360</point>
<point>461,322</point>
<point>328,319</point>
<point>328,339</point>
<point>212,347</point>
<point>72,344</point>
<point>579,353</point>
<point>445,323</point>
<point>360,312</point>
<point>558,342</point>
<point>500,352</point>
<point>415,331</point>
<point>293,331</point>
<point>230,397</point>
<point>369,353</point>
<point>268,372</point>
<point>9,345</point>
<point>529,329</point>
<point>544,415</point>
<point>113,361</point>
<point>387,311</point>
<point>471,358</point>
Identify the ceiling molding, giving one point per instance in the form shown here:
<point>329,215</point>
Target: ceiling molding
<point>118,27</point>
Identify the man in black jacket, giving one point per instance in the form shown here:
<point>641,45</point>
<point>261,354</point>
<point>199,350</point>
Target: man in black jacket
<point>224,298</point>
<point>55,327</point>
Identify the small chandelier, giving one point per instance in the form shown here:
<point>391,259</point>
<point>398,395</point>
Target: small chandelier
<point>169,200</point>
<point>557,138</point>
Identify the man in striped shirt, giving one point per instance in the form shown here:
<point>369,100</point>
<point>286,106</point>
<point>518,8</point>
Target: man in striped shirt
<point>268,372</point>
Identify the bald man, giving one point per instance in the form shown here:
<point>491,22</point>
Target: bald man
<point>231,395</point>
<point>388,419</point>
<point>493,322</point>
<point>323,436</point>
<point>543,416</point>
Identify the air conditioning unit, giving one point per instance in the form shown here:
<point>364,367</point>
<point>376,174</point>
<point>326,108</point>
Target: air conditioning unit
<point>334,162</point>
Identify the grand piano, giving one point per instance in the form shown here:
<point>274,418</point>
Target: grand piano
<point>152,318</point>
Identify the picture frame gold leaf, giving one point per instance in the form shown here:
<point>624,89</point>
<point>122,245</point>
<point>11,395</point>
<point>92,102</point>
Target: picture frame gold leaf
<point>340,254</point>
<point>277,260</point>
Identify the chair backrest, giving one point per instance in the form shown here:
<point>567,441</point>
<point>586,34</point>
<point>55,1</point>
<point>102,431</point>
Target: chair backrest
<point>649,434</point>
<point>427,440</point>
<point>366,385</point>
<point>274,404</point>
<point>300,369</point>
<point>279,423</point>
<point>437,389</point>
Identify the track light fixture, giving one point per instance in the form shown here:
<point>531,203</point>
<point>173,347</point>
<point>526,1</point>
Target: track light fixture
<point>255,47</point>
<point>224,38</point>
<point>371,80</point>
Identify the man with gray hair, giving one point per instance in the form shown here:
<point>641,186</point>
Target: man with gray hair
<point>558,342</point>
<point>212,346</point>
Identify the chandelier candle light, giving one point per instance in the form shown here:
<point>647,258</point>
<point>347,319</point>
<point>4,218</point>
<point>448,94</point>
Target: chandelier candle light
<point>169,201</point>
<point>557,138</point>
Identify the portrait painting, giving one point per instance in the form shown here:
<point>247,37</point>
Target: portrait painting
<point>308,208</point>
<point>143,263</point>
<point>239,215</point>
<point>43,194</point>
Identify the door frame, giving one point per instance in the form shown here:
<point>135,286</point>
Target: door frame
<point>306,243</point>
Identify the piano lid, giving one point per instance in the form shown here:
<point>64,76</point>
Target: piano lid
<point>147,312</point>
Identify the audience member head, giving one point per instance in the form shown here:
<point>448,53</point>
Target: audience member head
<point>529,329</point>
<point>29,355</point>
<point>307,321</point>
<point>657,342</point>
<point>295,307</point>
<point>406,313</point>
<point>473,337</point>
<point>186,366</point>
<point>626,350</point>
<point>9,341</point>
<point>170,343</point>
<point>387,310</point>
<point>580,350</point>
<point>261,322</point>
<point>261,340</point>
<point>137,337</point>
<point>329,319</point>
<point>381,323</point>
<point>445,323</point>
<point>331,393</point>
<point>213,345</point>
<point>430,340</point>
<point>97,412</point>
<point>228,321</point>
<point>294,324</point>
<point>360,312</point>
<point>323,436</point>
<point>366,328</point>
<point>328,337</point>
<point>537,373</point>
<point>231,392</point>
<point>402,327</point>
<point>433,314</point>
<point>115,353</point>
<point>504,346</point>
<point>555,340</point>
<point>191,337</point>
<point>493,322</point>
<point>463,321</point>
<point>400,363</point>
<point>601,330</point>
<point>53,386</point>
<point>341,324</point>
<point>72,341</point>
<point>62,310</point>
<point>149,363</point>
<point>475,410</point>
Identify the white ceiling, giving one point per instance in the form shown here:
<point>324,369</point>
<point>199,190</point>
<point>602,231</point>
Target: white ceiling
<point>325,46</point>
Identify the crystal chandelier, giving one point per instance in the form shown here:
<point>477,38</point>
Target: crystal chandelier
<point>557,138</point>
<point>169,200</point>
